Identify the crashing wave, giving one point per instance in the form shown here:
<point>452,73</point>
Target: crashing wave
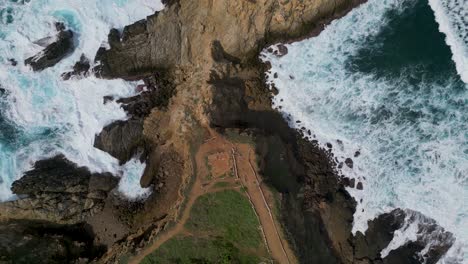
<point>452,16</point>
<point>49,115</point>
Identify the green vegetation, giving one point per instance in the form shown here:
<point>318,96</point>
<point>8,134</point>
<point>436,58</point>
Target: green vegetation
<point>198,250</point>
<point>235,137</point>
<point>222,184</point>
<point>224,229</point>
<point>227,213</point>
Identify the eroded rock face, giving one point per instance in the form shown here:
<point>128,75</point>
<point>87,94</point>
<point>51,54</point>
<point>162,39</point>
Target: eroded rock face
<point>121,139</point>
<point>57,190</point>
<point>54,52</point>
<point>182,33</point>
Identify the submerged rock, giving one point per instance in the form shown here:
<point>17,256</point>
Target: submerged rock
<point>54,52</point>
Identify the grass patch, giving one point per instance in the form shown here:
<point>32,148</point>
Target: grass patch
<point>222,184</point>
<point>228,214</point>
<point>199,250</point>
<point>224,229</point>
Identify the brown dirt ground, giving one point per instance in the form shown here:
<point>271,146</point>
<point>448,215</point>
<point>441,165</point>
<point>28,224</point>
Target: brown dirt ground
<point>219,160</point>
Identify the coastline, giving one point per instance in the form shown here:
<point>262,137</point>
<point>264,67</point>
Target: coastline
<point>214,83</point>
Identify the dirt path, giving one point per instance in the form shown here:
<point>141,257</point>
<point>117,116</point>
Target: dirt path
<point>216,158</point>
<point>247,172</point>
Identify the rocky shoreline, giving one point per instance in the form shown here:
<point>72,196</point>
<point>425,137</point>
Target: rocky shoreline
<point>199,61</point>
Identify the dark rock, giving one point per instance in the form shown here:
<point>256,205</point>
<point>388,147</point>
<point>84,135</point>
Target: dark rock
<point>58,190</point>
<point>381,231</point>
<point>359,186</point>
<point>108,98</point>
<point>59,26</point>
<point>13,62</point>
<point>329,145</point>
<point>357,154</point>
<point>349,162</point>
<point>121,139</point>
<point>347,182</point>
<point>25,242</point>
<point>378,235</point>
<point>282,50</point>
<point>157,94</point>
<point>53,53</point>
<point>134,29</point>
<point>352,183</point>
<point>100,54</point>
<point>113,38</point>
<point>81,67</point>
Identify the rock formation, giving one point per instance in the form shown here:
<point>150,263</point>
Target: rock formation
<point>58,191</point>
<point>54,52</point>
<point>205,57</point>
<point>209,50</point>
<point>81,68</point>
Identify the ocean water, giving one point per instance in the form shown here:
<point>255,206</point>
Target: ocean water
<point>42,115</point>
<point>389,81</point>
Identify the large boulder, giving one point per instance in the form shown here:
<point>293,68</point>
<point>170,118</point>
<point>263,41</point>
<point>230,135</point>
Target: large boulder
<point>121,139</point>
<point>58,190</point>
<point>54,52</point>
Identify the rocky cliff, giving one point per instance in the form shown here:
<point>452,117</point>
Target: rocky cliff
<point>199,60</point>
<point>209,50</point>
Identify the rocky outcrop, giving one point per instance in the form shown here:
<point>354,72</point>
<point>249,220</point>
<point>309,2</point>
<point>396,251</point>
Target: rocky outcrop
<point>209,50</point>
<point>122,139</point>
<point>81,68</point>
<point>205,54</point>
<point>182,34</point>
<point>57,190</point>
<point>62,46</point>
<point>429,236</point>
<point>46,243</point>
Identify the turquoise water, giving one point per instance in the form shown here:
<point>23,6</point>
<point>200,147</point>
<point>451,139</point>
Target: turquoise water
<point>42,115</point>
<point>384,81</point>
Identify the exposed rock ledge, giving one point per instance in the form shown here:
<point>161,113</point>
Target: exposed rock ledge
<point>205,53</point>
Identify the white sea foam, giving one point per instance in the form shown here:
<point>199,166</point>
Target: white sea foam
<point>130,182</point>
<point>452,16</point>
<point>419,165</point>
<point>418,227</point>
<point>407,233</point>
<point>55,116</point>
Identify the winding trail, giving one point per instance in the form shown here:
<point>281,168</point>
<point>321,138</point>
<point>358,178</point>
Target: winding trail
<point>243,164</point>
